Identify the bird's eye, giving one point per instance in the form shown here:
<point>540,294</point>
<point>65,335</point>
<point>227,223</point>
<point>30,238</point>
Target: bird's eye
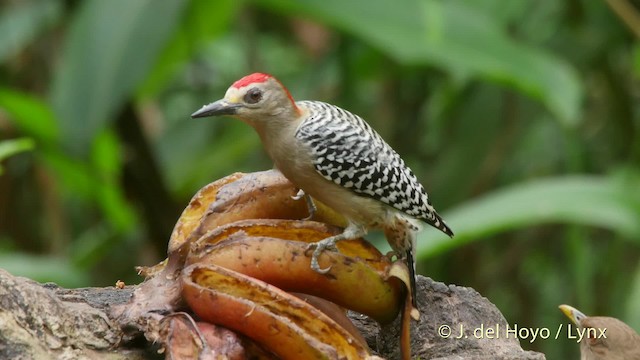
<point>253,96</point>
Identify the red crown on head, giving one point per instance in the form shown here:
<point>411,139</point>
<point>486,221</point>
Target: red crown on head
<point>255,78</point>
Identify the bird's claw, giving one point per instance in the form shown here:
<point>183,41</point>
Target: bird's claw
<point>319,247</point>
<point>311,206</point>
<point>299,195</point>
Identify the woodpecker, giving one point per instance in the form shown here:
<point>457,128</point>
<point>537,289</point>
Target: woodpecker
<point>335,157</point>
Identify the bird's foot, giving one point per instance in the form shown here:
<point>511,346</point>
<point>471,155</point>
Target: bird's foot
<point>311,206</point>
<point>319,247</point>
<point>299,195</point>
<point>352,231</point>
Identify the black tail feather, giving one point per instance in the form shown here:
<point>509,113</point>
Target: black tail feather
<point>411,264</point>
<point>439,224</point>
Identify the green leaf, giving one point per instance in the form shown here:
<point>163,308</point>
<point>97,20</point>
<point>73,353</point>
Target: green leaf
<point>73,174</point>
<point>95,181</point>
<point>586,200</point>
<point>632,309</point>
<point>30,114</point>
<point>14,146</point>
<point>109,49</point>
<point>44,269</point>
<point>636,60</point>
<point>21,21</point>
<point>455,36</point>
<point>203,20</point>
<point>106,165</point>
<point>106,155</point>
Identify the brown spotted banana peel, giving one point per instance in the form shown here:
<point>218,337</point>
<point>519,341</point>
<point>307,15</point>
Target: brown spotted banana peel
<point>286,325</point>
<point>259,195</point>
<point>239,196</point>
<point>274,251</point>
<point>400,272</point>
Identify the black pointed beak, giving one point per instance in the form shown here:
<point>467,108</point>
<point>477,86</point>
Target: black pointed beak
<point>217,108</point>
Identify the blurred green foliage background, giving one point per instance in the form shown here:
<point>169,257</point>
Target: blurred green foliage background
<point>520,117</point>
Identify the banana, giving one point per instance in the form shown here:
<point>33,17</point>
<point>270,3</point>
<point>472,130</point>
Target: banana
<point>222,260</point>
<point>284,324</point>
<point>274,251</point>
<point>260,195</point>
<point>198,205</point>
<point>400,272</point>
<point>335,312</point>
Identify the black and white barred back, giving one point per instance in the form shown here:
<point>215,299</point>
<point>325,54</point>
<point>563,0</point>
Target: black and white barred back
<point>350,153</point>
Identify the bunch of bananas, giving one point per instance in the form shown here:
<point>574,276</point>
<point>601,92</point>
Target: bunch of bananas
<point>237,259</point>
